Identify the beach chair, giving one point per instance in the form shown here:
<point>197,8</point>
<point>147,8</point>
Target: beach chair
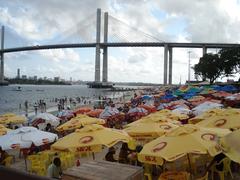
<point>8,161</point>
<point>147,176</point>
<point>226,169</point>
<point>205,177</point>
<point>147,171</point>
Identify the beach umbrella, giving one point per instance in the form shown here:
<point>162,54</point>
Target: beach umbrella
<point>181,110</point>
<point>79,121</point>
<point>207,91</point>
<point>146,97</point>
<point>162,106</point>
<point>82,110</point>
<point>94,113</point>
<point>208,99</point>
<point>196,98</point>
<point>149,108</point>
<point>10,118</point>
<point>3,130</point>
<point>90,138</point>
<point>205,106</point>
<point>233,97</point>
<point>224,118</point>
<point>231,145</point>
<point>108,112</point>
<point>182,141</point>
<point>65,114</point>
<point>170,115</point>
<point>221,94</point>
<point>149,131</point>
<point>229,88</point>
<point>137,111</point>
<point>178,102</point>
<point>160,117</point>
<point>24,137</point>
<point>42,119</point>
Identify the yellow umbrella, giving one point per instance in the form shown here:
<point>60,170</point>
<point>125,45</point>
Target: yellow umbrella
<point>79,121</point>
<point>12,118</point>
<point>8,115</point>
<point>159,117</point>
<point>170,115</point>
<point>180,142</point>
<point>231,145</point>
<point>3,130</point>
<point>149,131</point>
<point>90,139</point>
<point>224,118</point>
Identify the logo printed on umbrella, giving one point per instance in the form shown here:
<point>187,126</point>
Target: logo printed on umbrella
<point>220,122</point>
<point>208,136</point>
<point>165,127</point>
<point>15,146</point>
<point>159,146</point>
<point>86,139</point>
<point>150,159</point>
<point>84,149</point>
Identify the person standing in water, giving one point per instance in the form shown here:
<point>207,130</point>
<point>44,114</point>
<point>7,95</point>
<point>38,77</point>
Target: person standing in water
<point>26,108</point>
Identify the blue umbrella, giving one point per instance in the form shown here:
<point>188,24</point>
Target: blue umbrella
<point>146,97</point>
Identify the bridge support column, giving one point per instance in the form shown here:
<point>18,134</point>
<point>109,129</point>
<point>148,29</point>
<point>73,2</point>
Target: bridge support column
<point>2,57</point>
<point>170,66</point>
<point>204,50</point>
<point>165,64</point>
<point>97,55</point>
<point>105,50</point>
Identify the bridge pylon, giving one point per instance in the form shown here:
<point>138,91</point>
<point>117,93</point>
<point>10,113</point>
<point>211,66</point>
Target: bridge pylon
<point>2,81</point>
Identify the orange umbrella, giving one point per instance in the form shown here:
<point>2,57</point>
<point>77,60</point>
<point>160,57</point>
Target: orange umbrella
<point>94,113</point>
<point>149,108</point>
<point>82,110</point>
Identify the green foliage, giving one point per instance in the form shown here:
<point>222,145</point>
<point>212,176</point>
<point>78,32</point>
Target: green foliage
<point>223,64</point>
<point>231,60</point>
<point>210,66</point>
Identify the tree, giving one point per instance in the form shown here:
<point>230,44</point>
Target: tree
<point>209,67</point>
<point>231,60</point>
<point>224,64</point>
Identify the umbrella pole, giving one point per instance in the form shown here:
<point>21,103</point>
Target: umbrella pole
<point>25,160</point>
<point>93,155</point>
<point>190,167</point>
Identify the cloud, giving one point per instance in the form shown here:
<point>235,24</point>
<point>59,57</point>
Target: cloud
<point>207,21</point>
<point>40,22</point>
<point>61,55</point>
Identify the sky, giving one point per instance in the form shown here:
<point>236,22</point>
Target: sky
<point>40,22</point>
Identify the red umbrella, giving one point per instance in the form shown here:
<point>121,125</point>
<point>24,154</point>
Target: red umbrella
<point>82,110</point>
<point>149,108</point>
<point>94,113</point>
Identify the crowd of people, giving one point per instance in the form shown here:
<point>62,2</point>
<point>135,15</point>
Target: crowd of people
<point>126,155</point>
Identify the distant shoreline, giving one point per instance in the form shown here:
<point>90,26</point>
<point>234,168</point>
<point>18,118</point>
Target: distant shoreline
<point>36,82</point>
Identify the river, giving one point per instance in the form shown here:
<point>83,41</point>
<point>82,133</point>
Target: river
<point>12,100</point>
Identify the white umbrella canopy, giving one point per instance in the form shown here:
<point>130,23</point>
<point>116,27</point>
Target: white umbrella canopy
<point>138,110</point>
<point>68,114</point>
<point>24,137</point>
<point>198,110</point>
<point>108,112</point>
<point>41,120</point>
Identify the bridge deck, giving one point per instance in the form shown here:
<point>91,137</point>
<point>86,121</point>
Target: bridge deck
<point>121,44</point>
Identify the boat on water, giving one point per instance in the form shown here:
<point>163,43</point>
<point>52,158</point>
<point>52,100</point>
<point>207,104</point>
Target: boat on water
<point>100,85</point>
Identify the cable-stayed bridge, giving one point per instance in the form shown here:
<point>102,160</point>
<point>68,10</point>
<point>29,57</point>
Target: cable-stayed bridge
<point>116,33</point>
